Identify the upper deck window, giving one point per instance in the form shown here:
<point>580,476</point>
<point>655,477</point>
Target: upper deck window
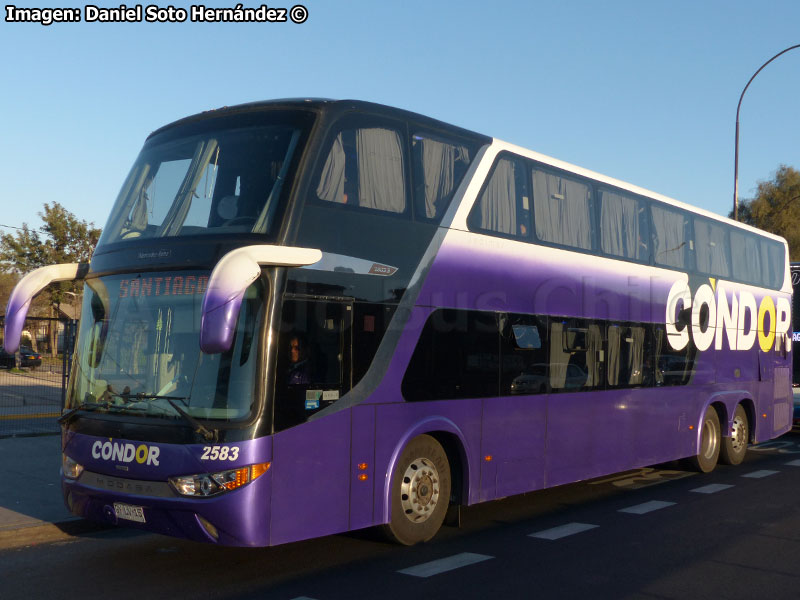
<point>623,225</point>
<point>504,205</point>
<point>746,256</point>
<point>670,236</point>
<point>562,208</point>
<point>219,181</point>
<point>772,262</point>
<point>364,168</point>
<point>712,248</point>
<point>439,167</point>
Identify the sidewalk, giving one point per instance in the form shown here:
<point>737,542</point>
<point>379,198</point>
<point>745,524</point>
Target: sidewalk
<point>32,510</point>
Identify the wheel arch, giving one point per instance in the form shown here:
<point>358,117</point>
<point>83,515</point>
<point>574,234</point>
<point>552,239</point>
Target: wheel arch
<point>452,439</point>
<point>725,403</point>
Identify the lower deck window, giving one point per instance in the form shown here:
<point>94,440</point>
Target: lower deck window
<point>471,354</point>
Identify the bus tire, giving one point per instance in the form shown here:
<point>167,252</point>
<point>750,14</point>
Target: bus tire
<point>710,435</point>
<point>734,447</point>
<point>420,492</point>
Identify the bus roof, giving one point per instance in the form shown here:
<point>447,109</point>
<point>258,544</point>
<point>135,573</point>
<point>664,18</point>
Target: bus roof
<point>325,105</point>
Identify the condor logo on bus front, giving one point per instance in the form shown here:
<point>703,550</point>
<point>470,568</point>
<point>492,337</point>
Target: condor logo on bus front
<point>126,452</point>
<point>769,321</point>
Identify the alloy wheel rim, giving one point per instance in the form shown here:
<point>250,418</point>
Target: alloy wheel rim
<point>738,434</point>
<point>419,490</point>
<point>710,439</point>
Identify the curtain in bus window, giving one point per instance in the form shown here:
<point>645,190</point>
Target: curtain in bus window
<point>380,170</point>
<point>635,339</point>
<point>612,366</point>
<point>331,184</point>
<point>626,356</point>
<point>594,356</point>
<point>669,237</point>
<point>559,359</point>
<point>710,248</point>
<point>561,210</point>
<point>498,200</point>
<point>438,171</point>
<point>746,257</point>
<point>772,256</point>
<point>619,226</point>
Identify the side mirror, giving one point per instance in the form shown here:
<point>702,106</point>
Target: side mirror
<point>230,279</point>
<point>30,285</point>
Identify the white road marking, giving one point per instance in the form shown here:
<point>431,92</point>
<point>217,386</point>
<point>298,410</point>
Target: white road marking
<point>556,533</point>
<point>647,507</point>
<point>793,463</point>
<point>760,474</point>
<point>445,564</point>
<point>712,488</point>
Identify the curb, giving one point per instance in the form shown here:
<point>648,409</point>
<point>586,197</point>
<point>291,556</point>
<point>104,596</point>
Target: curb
<point>44,533</point>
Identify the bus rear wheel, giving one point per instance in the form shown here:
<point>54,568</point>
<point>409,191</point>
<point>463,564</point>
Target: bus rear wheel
<point>420,492</point>
<point>708,454</point>
<point>734,447</point>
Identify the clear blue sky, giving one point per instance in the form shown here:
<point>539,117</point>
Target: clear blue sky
<point>642,90</point>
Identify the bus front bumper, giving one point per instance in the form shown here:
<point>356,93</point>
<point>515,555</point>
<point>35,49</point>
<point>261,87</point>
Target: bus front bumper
<point>236,518</point>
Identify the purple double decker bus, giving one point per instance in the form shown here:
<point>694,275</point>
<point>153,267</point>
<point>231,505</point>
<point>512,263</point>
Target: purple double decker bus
<point>308,316</point>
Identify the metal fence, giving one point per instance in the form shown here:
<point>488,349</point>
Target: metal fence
<point>33,382</point>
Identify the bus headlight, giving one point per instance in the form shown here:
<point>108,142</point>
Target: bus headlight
<point>211,484</point>
<point>70,468</point>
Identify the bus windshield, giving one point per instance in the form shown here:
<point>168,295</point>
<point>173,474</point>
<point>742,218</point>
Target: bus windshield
<point>216,182</point>
<point>138,350</point>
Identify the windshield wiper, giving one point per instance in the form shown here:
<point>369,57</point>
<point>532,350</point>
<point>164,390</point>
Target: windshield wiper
<point>143,396</point>
<point>199,428</point>
<point>87,406</point>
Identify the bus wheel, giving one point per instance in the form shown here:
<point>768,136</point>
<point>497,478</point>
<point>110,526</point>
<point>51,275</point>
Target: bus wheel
<point>734,447</point>
<point>706,459</point>
<point>420,492</point>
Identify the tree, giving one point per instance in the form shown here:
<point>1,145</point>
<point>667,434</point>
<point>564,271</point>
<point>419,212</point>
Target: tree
<point>776,207</point>
<point>66,239</point>
<point>7,283</point>
<point>62,239</point>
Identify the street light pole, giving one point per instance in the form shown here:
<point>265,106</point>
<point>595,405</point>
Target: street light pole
<point>736,145</point>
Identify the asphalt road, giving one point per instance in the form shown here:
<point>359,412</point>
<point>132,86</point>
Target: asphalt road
<point>650,534</point>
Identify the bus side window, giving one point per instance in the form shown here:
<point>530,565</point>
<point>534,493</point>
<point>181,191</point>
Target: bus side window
<point>365,168</point>
<point>712,247</point>
<point>562,209</point>
<point>624,231</point>
<point>577,356</point>
<point>504,203</point>
<point>457,356</point>
<point>523,354</point>
<point>439,167</point>
<point>629,357</point>
<point>745,256</point>
<point>671,242</point>
<point>672,367</point>
<point>313,361</point>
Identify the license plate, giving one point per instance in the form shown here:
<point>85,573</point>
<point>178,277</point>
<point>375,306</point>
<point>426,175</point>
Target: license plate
<point>129,512</point>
